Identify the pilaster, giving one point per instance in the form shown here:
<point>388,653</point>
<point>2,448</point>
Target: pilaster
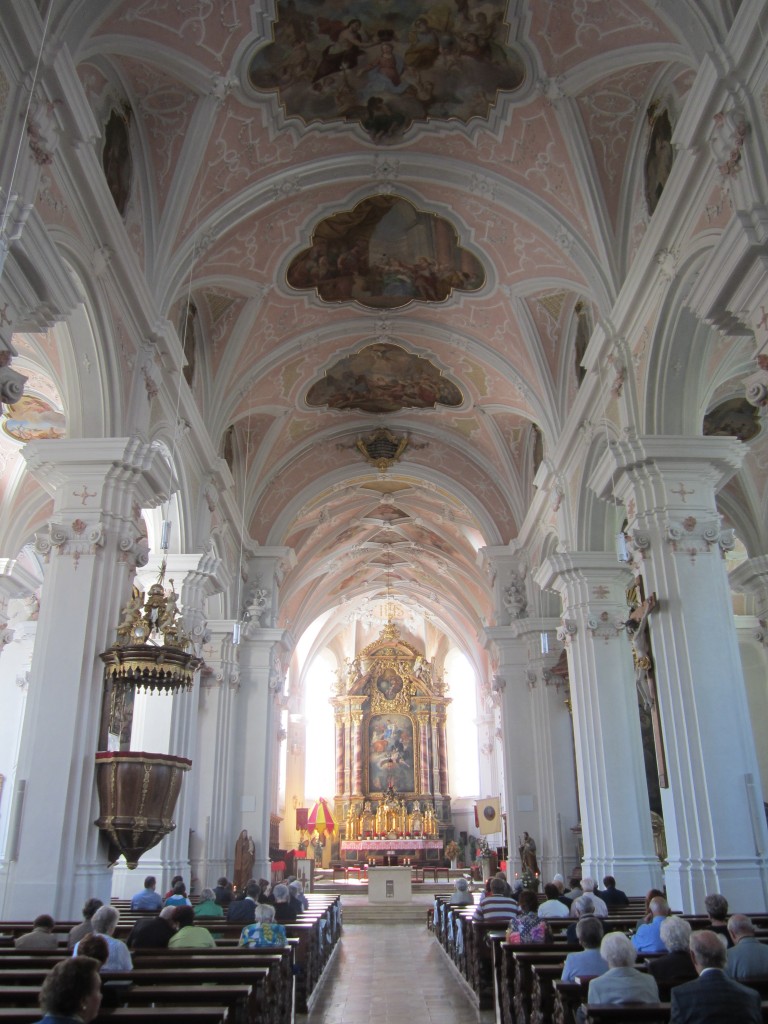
<point>511,651</point>
<point>555,759</point>
<point>713,812</point>
<point>255,736</point>
<point>219,688</point>
<point>613,797</point>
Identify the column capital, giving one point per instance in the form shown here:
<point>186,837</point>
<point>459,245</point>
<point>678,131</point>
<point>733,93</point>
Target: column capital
<point>751,578</point>
<point>594,570</point>
<point>267,568</point>
<point>664,467</point>
<point>506,569</point>
<point>592,585</point>
<point>99,473</point>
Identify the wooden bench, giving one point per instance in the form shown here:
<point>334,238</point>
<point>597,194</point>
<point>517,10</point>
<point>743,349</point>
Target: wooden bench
<point>236,998</point>
<point>132,1015</point>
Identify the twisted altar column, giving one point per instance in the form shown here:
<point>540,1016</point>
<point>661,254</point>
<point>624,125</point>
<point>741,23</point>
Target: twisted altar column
<point>423,718</point>
<point>340,755</point>
<point>357,754</point>
<point>442,752</point>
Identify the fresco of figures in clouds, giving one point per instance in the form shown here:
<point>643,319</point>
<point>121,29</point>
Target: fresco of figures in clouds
<point>385,253</point>
<point>388,66</point>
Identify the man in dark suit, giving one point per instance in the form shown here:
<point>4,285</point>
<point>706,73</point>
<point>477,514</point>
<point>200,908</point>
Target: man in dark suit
<point>612,896</point>
<point>244,911</point>
<point>713,998</point>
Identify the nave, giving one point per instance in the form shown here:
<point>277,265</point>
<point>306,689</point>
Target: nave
<point>387,973</point>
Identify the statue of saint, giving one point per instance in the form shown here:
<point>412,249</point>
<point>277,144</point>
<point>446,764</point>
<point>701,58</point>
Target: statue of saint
<point>527,850</point>
<point>245,855</point>
<point>416,823</point>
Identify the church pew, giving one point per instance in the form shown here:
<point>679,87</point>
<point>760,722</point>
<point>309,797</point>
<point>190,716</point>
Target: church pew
<point>480,960</point>
<point>542,991</point>
<point>628,1013</point>
<point>524,959</point>
<point>132,1015</point>
<point>268,1001</point>
<point>236,998</point>
<point>568,997</point>
<point>190,977</point>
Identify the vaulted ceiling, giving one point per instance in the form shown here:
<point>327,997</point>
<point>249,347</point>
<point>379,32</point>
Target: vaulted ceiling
<point>389,219</point>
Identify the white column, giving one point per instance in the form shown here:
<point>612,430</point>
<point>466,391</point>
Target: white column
<point>255,736</point>
<point>613,796</point>
<point>219,686</point>
<point>555,760</point>
<point>92,544</point>
<point>713,808</point>
<point>519,748</point>
<point>750,580</point>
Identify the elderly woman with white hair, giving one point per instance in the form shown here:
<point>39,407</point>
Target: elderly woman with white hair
<point>675,966</point>
<point>622,982</point>
<point>461,896</point>
<point>104,922</point>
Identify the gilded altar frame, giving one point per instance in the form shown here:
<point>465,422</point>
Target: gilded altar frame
<point>390,709</point>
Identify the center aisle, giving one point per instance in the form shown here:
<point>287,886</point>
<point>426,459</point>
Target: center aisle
<point>390,973</point>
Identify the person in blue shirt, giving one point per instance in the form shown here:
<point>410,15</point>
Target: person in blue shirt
<point>647,938</point>
<point>147,899</point>
<point>588,963</point>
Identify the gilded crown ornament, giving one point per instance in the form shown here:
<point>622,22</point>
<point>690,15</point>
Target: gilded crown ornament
<point>152,647</point>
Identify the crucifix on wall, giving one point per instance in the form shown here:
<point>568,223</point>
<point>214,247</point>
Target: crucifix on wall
<point>645,674</point>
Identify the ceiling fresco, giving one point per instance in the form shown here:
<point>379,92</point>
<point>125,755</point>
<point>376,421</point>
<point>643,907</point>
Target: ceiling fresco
<point>383,378</point>
<point>383,254</point>
<point>387,66</point>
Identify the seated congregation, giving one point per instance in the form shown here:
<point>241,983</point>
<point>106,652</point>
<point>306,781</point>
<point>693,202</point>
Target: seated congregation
<point>580,955</point>
<point>253,957</point>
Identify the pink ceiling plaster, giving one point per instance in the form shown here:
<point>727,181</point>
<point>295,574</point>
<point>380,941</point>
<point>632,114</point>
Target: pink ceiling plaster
<point>611,110</point>
<point>547,311</point>
<point>209,32</point>
<point>165,107</point>
<point>515,430</point>
<point>571,31</point>
<point>717,211</point>
<point>52,201</point>
<point>94,83</point>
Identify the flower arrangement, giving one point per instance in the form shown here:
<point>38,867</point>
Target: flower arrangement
<point>452,850</point>
<point>483,849</point>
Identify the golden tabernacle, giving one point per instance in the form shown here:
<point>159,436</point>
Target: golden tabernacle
<point>391,756</point>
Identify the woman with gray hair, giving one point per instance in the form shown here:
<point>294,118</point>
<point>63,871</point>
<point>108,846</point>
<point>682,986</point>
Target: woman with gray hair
<point>286,909</point>
<point>264,931</point>
<point>208,907</point>
<point>622,982</point>
<point>676,966</point>
<point>716,906</point>
<point>104,922</point>
<point>461,896</point>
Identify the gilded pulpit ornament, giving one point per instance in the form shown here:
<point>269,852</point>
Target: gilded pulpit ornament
<point>151,649</point>
<point>138,790</point>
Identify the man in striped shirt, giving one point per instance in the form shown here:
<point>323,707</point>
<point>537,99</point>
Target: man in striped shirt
<point>497,908</point>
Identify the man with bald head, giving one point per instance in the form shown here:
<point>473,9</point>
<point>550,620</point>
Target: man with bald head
<point>713,998</point>
<point>748,958</point>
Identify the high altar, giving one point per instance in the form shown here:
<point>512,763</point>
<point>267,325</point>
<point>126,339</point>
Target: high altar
<point>391,756</point>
